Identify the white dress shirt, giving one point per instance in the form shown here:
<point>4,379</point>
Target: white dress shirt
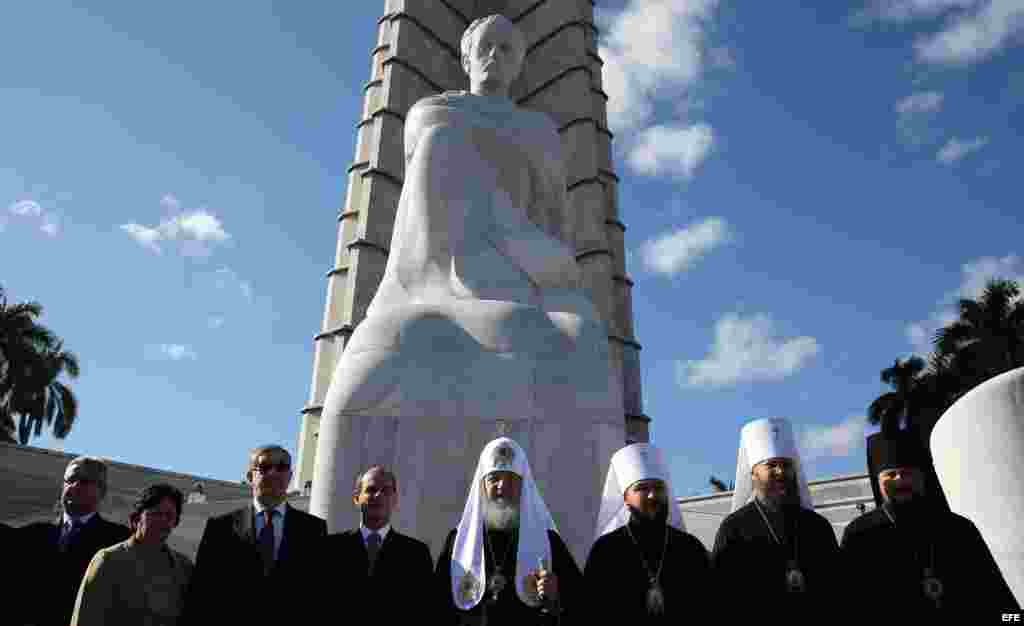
<point>281,509</point>
<point>67,520</point>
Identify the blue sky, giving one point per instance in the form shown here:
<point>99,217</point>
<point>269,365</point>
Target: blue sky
<point>806,191</point>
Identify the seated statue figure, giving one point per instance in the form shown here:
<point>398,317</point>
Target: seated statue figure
<point>481,312</point>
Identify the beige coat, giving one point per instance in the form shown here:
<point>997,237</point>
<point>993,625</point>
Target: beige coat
<point>131,583</point>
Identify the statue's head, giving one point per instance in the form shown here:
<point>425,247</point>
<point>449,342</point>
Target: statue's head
<point>493,49</point>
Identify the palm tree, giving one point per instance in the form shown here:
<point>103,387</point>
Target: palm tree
<point>32,361</point>
<point>988,336</point>
<point>718,485</point>
<point>896,407</point>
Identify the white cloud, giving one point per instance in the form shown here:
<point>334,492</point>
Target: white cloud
<point>225,278</point>
<point>974,275</point>
<point>33,212</point>
<point>215,321</point>
<point>196,230</point>
<point>170,203</point>
<point>174,352</point>
<point>651,47</point>
<point>671,150</point>
<point>146,237</point>
<point>50,227</point>
<point>201,226</point>
<point>678,250</point>
<point>954,150</point>
<point>921,102</point>
<point>979,271</point>
<point>747,350</point>
<point>26,208</point>
<point>969,31</point>
<point>837,440</point>
<point>906,10</point>
<point>974,36</point>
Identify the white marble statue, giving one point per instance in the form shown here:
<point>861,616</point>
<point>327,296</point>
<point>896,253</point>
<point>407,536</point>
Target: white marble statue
<point>480,317</point>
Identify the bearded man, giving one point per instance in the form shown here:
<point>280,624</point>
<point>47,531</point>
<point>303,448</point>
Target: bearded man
<point>774,546</point>
<point>644,567</point>
<point>506,563</point>
<point>930,559</point>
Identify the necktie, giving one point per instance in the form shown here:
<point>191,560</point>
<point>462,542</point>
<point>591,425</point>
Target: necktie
<point>266,541</point>
<point>69,535</point>
<point>372,548</point>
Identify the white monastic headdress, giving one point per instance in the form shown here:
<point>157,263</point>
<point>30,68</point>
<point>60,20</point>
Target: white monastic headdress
<point>761,440</point>
<point>467,567</point>
<point>635,462</point>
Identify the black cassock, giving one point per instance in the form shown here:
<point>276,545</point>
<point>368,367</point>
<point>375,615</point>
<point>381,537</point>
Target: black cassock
<point>748,562</point>
<point>509,609</point>
<point>888,559</point>
<point>618,581</point>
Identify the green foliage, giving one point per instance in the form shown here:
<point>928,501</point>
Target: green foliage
<point>985,340</point>
<point>32,363</point>
<point>719,485</point>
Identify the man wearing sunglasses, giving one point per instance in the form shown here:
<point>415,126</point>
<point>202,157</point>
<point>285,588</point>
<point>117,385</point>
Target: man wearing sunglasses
<point>256,562</point>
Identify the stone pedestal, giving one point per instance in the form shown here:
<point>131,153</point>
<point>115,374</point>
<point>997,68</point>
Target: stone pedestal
<point>978,449</point>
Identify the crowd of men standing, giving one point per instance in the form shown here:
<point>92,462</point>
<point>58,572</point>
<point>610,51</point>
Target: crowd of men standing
<point>505,562</point>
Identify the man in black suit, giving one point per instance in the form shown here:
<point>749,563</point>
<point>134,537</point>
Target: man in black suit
<point>60,551</point>
<point>374,564</point>
<point>255,564</point>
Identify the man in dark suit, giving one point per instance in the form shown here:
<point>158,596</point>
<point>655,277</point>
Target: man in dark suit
<point>60,551</point>
<point>255,564</point>
<point>374,564</point>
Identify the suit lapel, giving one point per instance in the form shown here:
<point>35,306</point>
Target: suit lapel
<point>291,520</point>
<point>87,534</point>
<point>359,547</point>
<point>244,524</point>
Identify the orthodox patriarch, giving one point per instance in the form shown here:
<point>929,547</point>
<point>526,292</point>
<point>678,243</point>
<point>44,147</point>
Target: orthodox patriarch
<point>505,562</point>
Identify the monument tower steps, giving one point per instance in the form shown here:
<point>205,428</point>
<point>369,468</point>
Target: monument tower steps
<point>417,55</point>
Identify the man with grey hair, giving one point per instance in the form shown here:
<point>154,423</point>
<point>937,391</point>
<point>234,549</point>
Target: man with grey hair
<point>263,553</point>
<point>60,551</point>
<point>505,562</point>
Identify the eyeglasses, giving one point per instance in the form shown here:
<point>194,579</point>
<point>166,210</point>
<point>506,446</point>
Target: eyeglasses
<point>265,468</point>
<point>70,480</point>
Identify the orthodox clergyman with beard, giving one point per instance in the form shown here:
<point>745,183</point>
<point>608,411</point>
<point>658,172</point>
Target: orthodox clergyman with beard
<point>505,563</point>
<point>644,568</point>
<point>925,556</point>
<point>774,547</point>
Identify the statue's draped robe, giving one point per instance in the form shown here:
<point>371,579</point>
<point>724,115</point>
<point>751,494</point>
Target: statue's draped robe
<point>481,297</point>
<point>480,316</point>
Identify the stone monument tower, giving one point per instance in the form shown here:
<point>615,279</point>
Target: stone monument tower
<point>417,56</point>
